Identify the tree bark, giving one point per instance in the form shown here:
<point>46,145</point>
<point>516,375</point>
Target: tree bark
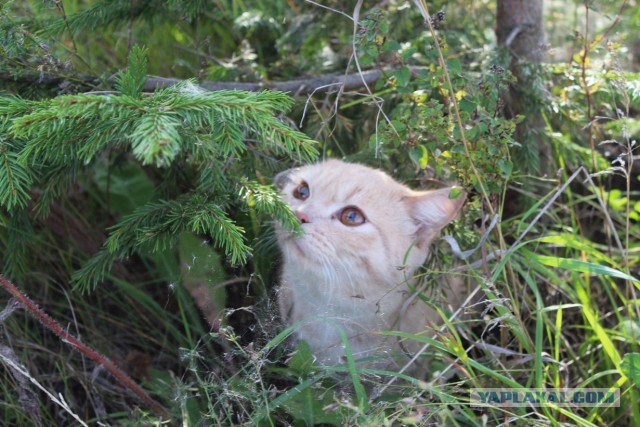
<point>520,28</point>
<point>520,33</point>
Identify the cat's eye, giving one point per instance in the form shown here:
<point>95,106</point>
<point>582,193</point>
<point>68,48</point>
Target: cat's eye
<point>352,216</point>
<point>302,191</point>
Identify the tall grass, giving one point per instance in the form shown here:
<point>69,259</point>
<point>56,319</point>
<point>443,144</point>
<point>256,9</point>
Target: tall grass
<point>559,304</point>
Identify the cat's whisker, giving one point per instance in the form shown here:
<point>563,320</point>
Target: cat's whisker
<point>330,273</point>
<point>351,282</point>
<point>266,242</point>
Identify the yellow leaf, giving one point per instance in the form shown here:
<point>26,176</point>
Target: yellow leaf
<point>419,96</point>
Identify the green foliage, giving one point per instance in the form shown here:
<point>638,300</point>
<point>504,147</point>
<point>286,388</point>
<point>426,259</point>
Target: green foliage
<point>106,13</point>
<point>22,50</point>
<point>14,178</point>
<point>131,81</point>
<point>423,127</point>
<point>155,227</point>
<point>47,142</point>
<point>630,366</point>
<point>155,193</point>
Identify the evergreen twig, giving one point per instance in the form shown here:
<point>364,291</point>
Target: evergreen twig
<point>46,144</point>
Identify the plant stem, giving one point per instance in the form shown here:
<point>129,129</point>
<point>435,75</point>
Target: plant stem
<point>452,96</point>
<point>424,9</point>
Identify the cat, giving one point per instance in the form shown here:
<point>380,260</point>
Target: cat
<point>364,236</point>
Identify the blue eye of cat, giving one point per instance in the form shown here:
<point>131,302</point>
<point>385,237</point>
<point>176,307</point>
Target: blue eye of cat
<point>302,191</point>
<point>352,216</point>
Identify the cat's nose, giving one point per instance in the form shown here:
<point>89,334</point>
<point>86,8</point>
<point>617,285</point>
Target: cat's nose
<point>303,217</point>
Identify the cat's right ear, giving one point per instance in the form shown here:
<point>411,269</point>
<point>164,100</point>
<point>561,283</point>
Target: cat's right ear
<point>282,179</point>
<point>432,210</point>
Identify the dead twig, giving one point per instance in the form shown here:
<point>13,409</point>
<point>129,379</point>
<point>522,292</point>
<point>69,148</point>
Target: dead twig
<point>298,87</point>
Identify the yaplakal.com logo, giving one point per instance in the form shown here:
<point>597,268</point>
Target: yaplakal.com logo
<point>567,397</point>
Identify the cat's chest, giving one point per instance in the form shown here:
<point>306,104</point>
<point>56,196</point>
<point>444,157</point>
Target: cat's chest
<point>362,301</point>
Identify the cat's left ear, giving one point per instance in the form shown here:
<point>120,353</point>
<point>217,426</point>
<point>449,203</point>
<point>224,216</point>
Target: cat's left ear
<point>432,210</point>
<point>282,179</point>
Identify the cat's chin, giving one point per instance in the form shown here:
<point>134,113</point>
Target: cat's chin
<point>293,245</point>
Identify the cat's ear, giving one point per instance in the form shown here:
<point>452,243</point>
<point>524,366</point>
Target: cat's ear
<point>432,210</point>
<point>281,179</point>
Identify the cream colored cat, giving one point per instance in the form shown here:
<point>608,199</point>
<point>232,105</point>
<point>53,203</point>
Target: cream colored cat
<point>365,235</point>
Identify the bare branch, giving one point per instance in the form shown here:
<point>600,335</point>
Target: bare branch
<point>296,87</point>
<point>304,86</point>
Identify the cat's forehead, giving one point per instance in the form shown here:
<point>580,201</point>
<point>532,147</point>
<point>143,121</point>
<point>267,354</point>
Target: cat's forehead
<point>344,181</point>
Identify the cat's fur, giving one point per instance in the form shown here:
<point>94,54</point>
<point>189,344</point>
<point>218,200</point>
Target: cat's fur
<point>358,278</point>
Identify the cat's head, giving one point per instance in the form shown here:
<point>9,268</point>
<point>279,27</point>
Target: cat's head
<point>360,220</point>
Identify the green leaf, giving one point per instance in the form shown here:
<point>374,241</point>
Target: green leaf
<point>202,272</point>
<point>302,402</point>
<point>455,193</point>
<point>365,59</point>
<point>419,155</point>
<point>630,367</point>
<point>408,53</point>
<point>403,75</point>
<point>392,45</point>
<point>309,405</point>
<point>454,66</point>
<point>128,186</point>
<point>506,167</point>
<point>302,360</point>
<point>467,106</point>
<point>583,267</point>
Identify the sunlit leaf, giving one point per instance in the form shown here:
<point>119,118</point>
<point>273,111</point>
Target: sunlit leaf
<point>630,367</point>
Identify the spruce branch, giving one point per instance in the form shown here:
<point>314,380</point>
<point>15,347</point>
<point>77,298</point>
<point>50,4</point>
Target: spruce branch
<point>104,13</point>
<point>55,327</point>
<point>55,181</point>
<point>93,271</point>
<point>156,226</point>
<point>16,239</point>
<point>15,179</point>
<point>266,201</point>
<point>83,126</point>
<point>211,133</point>
<point>131,82</point>
<point>156,138</point>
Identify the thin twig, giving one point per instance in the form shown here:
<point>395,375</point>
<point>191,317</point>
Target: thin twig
<point>354,55</point>
<point>424,10</point>
<point>59,400</point>
<point>329,8</point>
<point>583,66</point>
